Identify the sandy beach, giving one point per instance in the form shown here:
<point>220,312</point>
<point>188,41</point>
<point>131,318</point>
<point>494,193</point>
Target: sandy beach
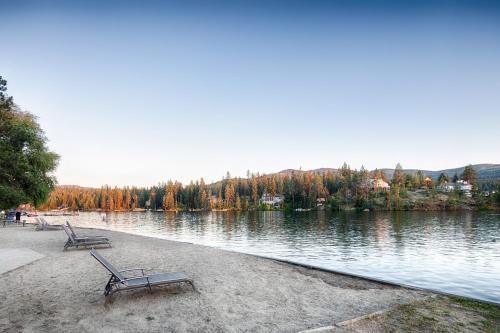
<point>63,291</point>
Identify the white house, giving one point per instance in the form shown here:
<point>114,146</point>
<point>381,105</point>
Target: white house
<point>268,199</point>
<point>378,184</point>
<point>446,187</point>
<point>464,185</point>
<point>461,185</point>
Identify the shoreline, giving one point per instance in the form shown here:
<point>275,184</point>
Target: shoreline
<point>311,267</point>
<point>237,292</point>
<point>300,264</point>
<point>43,213</point>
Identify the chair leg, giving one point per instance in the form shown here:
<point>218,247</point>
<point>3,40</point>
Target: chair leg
<point>108,289</point>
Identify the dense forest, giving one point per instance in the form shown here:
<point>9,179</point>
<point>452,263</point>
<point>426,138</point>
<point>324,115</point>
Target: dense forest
<point>343,188</point>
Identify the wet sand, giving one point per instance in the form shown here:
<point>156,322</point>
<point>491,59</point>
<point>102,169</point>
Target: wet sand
<point>63,291</point>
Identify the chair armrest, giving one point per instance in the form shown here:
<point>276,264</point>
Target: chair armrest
<point>135,269</point>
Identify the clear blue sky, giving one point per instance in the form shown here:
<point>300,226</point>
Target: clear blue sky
<point>134,94</point>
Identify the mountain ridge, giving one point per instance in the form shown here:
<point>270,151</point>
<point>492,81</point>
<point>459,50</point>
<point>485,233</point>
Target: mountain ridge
<point>485,171</point>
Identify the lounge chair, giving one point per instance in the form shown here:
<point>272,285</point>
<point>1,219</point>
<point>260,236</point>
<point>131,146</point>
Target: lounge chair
<point>119,282</point>
<point>83,241</point>
<point>43,225</point>
<point>82,236</point>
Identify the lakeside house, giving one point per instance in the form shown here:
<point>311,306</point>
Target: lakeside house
<point>446,187</point>
<point>320,202</point>
<point>26,206</point>
<point>268,199</point>
<point>460,185</point>
<point>378,184</point>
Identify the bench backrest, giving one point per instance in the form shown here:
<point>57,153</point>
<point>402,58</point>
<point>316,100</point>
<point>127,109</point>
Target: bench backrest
<point>70,235</point>
<point>71,229</point>
<point>107,264</point>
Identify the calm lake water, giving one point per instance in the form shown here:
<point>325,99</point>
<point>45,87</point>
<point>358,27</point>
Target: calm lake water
<point>453,252</point>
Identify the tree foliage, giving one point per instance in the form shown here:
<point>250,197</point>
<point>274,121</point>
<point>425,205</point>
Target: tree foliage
<point>469,175</point>
<point>398,177</point>
<point>344,187</point>
<point>338,189</point>
<point>443,178</point>
<point>25,161</point>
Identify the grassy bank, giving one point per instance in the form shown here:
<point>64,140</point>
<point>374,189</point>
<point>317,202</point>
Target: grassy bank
<point>434,314</point>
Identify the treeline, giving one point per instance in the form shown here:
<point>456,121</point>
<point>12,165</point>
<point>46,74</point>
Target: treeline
<point>338,189</point>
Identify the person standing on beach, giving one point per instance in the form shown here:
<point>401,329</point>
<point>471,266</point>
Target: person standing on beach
<point>18,216</point>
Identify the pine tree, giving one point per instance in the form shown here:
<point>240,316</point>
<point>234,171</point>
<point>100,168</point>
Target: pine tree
<point>238,202</point>
<point>469,175</point>
<point>255,196</point>
<point>229,194</point>
<point>443,178</point>
<point>128,199</point>
<point>220,202</point>
<point>399,176</point>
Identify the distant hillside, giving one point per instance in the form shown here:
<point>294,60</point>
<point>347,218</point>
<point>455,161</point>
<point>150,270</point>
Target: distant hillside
<point>485,172</point>
<point>74,187</point>
<point>321,171</point>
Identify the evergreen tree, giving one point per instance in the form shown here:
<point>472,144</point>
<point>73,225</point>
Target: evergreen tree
<point>418,179</point>
<point>399,176</point>
<point>25,161</point>
<point>237,205</point>
<point>469,175</point>
<point>255,195</point>
<point>443,178</point>
<point>229,194</point>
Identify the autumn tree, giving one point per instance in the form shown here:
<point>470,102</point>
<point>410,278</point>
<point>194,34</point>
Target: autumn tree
<point>168,201</point>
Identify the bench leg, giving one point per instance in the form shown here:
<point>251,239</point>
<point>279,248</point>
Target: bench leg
<point>108,290</point>
<point>192,285</point>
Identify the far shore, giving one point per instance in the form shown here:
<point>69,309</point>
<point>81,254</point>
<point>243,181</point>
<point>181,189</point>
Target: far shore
<point>346,209</point>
